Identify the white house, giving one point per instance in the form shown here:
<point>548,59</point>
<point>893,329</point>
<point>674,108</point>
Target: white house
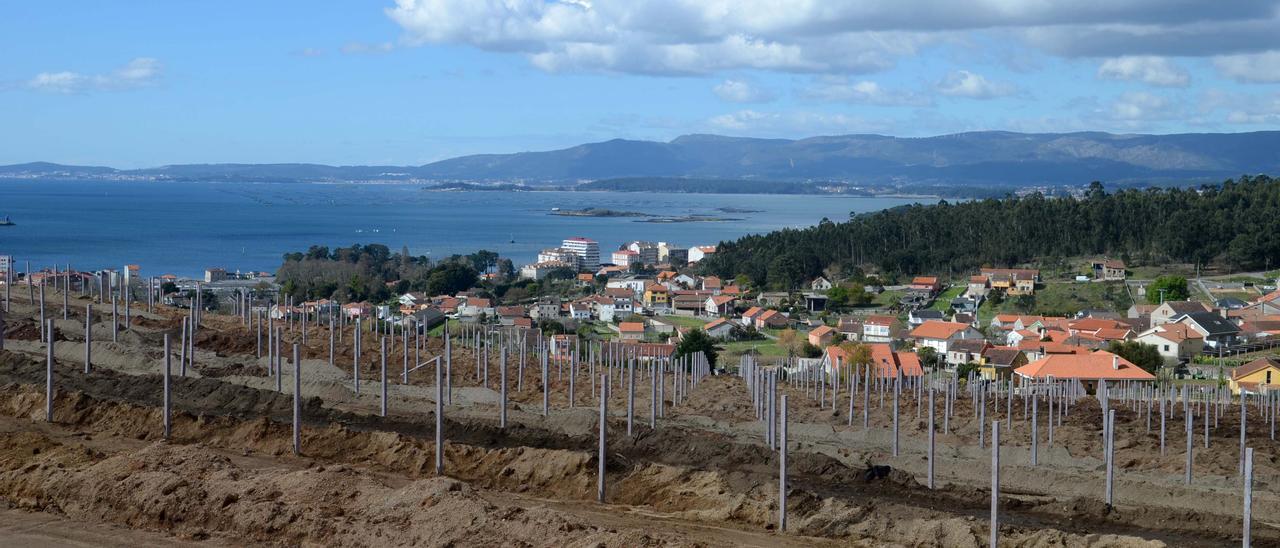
<point>820,284</point>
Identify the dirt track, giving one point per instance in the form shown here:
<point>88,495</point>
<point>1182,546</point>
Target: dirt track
<point>703,473</point>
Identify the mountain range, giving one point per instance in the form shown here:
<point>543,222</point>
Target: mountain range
<point>988,158</point>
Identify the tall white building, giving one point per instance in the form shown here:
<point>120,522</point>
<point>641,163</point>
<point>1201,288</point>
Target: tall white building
<point>587,249</point>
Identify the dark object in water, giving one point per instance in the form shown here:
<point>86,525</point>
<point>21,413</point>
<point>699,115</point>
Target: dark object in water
<point>6,221</point>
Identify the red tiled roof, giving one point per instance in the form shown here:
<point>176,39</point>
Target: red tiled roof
<point>934,329</point>
<point>631,327</point>
<point>1096,365</point>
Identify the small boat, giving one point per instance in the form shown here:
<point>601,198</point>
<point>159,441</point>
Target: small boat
<point>6,221</point>
<point>513,238</point>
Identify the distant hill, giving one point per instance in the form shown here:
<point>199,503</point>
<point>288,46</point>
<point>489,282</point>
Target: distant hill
<point>989,158</point>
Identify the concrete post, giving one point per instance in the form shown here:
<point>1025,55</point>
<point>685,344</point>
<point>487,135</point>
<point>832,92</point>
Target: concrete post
<point>932,435</point>
<point>439,421</point>
<point>897,384</point>
<point>1110,457</point>
<point>782,468</point>
<point>1035,430</point>
<point>88,338</point>
<point>382,408</point>
<point>1248,498</point>
<point>502,387</point>
<point>1190,444</point>
<point>355,360</point>
<point>631,395</point>
<point>604,423</point>
<point>167,419</point>
<point>48,372</point>
<point>995,484</point>
<point>297,401</point>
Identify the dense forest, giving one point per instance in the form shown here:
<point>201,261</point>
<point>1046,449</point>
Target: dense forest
<point>1235,224</point>
<point>372,272</point>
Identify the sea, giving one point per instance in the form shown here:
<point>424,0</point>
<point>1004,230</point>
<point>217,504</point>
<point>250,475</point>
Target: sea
<point>184,228</point>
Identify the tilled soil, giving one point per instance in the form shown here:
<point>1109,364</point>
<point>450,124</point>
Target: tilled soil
<point>704,466</point>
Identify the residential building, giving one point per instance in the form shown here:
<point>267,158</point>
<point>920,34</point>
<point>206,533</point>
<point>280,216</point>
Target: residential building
<point>820,284</point>
<point>1108,270</point>
<point>357,310</point>
<point>998,362</point>
<point>1170,310</point>
<point>1175,342</point>
<point>749,317</point>
<point>925,284</point>
<point>674,256</point>
<point>1013,281</point>
<point>965,351</point>
<point>626,257</point>
<point>850,328</point>
<point>719,305</point>
<point>698,253</point>
<point>1259,376</point>
<point>561,255</point>
<point>713,284</point>
<point>1089,369</point>
<point>718,328</point>
<point>656,296</point>
<point>215,275</point>
<point>539,271</point>
<point>979,286</point>
<point>917,317</point>
<point>938,335</point>
<point>631,331</point>
<point>770,319</point>
<point>1218,331</point>
<point>646,251</point>
<point>587,250</point>
<point>821,336</point>
<point>688,303</point>
<point>879,329</point>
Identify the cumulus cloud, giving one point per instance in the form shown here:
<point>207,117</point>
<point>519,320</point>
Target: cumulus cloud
<point>962,83</point>
<point>1140,106</point>
<point>140,72</point>
<point>1156,71</point>
<point>742,91</point>
<point>843,89</point>
<point>702,36</point>
<point>1259,67</point>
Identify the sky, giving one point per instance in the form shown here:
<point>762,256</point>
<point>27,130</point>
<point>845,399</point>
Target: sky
<point>404,82</point>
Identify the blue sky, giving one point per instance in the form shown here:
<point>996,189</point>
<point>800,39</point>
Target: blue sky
<point>132,83</point>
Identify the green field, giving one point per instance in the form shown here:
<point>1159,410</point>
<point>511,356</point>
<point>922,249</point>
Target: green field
<point>943,302</point>
<point>765,348</point>
<point>684,321</point>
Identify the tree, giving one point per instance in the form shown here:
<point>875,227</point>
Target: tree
<point>1168,288</point>
<point>928,356</point>
<point>787,339</point>
<point>697,340</point>
<point>1145,356</point>
<point>808,350</point>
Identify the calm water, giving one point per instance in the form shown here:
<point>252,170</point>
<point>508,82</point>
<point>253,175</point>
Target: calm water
<point>184,228</point>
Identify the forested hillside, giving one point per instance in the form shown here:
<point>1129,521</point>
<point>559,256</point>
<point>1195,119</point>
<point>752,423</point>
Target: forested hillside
<point>363,272</point>
<point>1236,224</point>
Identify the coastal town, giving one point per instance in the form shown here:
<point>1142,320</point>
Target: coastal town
<point>981,324</point>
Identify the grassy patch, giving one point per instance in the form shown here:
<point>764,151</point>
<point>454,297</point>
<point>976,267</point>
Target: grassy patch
<point>943,302</point>
<point>888,298</point>
<point>1061,299</point>
<point>765,348</point>
<point>684,321</point>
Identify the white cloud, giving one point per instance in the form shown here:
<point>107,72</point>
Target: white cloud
<point>842,89</point>
<point>362,48</point>
<point>832,36</point>
<point>1240,108</point>
<point>794,123</point>
<point>962,83</point>
<point>742,91</point>
<point>1140,106</point>
<point>1157,71</point>
<point>140,72</point>
<point>1259,67</point>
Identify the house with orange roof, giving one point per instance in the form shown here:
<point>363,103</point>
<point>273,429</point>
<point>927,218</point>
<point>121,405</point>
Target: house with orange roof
<point>889,363</point>
<point>979,286</point>
<point>770,319</point>
<point>631,331</point>
<point>1039,349</point>
<point>925,284</point>
<point>821,336</point>
<point>1089,369</point>
<point>1259,376</point>
<point>1013,281</point>
<point>938,335</point>
<point>719,305</point>
<point>749,317</point>
<point>713,284</point>
<point>1174,341</point>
